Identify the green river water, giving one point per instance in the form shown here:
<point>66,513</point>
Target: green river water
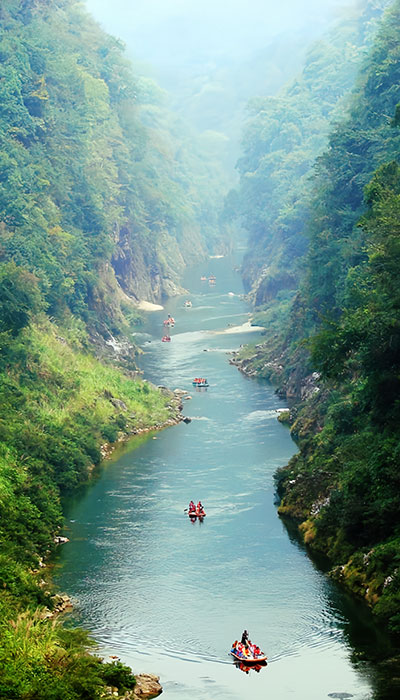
<point>169,596</point>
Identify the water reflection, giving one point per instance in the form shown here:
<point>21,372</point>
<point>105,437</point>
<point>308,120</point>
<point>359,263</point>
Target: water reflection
<point>246,668</point>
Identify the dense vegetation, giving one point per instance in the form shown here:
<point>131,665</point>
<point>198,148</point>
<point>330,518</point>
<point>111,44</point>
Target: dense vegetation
<point>281,141</point>
<point>101,204</point>
<point>344,323</point>
<point>90,176</point>
<point>344,485</point>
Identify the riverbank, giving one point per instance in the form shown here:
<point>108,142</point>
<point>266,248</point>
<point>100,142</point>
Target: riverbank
<point>175,406</point>
<point>309,487</point>
<point>61,411</point>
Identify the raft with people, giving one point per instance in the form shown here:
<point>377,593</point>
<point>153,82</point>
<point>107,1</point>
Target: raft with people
<point>246,652</point>
<point>200,382</point>
<point>196,511</point>
<point>195,515</point>
<point>169,322</point>
<point>166,339</point>
<point>249,659</point>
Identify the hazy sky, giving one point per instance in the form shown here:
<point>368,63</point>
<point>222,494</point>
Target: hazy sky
<point>170,30</point>
<point>212,56</point>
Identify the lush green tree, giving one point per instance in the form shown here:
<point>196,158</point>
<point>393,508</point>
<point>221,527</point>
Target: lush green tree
<point>19,298</point>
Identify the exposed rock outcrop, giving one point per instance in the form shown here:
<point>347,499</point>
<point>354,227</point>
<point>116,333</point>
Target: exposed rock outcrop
<point>60,603</point>
<point>147,686</point>
<point>294,384</point>
<point>60,540</point>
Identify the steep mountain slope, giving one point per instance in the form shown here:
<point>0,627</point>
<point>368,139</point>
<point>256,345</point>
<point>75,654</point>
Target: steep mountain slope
<point>351,295</point>
<point>343,486</point>
<point>280,145</point>
<point>96,211</point>
<point>85,182</point>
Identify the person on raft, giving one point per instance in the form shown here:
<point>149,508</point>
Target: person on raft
<point>246,650</point>
<point>199,509</point>
<point>192,507</point>
<point>245,637</point>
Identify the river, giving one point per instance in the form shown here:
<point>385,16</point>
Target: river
<point>169,596</point>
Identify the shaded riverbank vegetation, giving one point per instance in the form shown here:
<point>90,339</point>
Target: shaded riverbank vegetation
<point>332,335</point>
<point>101,205</point>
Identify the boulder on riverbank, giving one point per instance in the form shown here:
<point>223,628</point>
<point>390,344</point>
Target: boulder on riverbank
<point>147,686</point>
<point>58,539</point>
<point>284,416</point>
<point>61,603</point>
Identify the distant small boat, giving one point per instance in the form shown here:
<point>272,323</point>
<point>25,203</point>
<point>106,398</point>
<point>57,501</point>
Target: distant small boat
<point>188,304</point>
<point>166,339</point>
<point>203,278</point>
<point>200,382</point>
<point>193,514</point>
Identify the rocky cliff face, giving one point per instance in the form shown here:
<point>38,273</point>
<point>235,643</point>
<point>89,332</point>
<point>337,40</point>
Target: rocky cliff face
<point>153,272</point>
<point>295,381</point>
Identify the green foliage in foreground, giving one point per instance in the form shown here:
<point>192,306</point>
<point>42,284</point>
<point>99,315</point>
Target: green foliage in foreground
<point>58,404</point>
<point>41,660</point>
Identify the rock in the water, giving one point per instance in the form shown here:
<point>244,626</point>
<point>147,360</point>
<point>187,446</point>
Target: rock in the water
<point>60,540</point>
<point>61,603</point>
<point>147,686</point>
<point>187,420</point>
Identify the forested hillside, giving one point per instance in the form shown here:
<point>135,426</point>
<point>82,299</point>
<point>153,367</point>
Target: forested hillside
<point>281,141</point>
<point>84,171</point>
<point>343,486</point>
<point>102,203</point>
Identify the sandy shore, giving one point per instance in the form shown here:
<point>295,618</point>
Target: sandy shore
<point>148,306</point>
<point>244,328</point>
